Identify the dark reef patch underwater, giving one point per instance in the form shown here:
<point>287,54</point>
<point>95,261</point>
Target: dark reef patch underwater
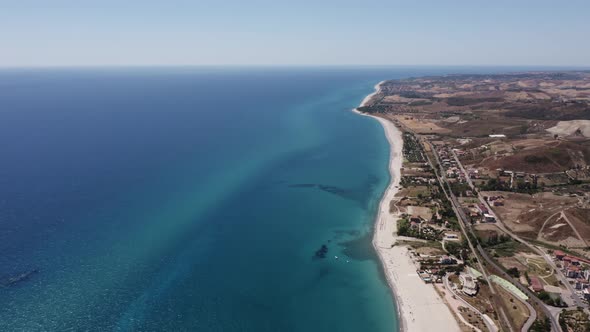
<point>166,199</point>
<point>160,199</point>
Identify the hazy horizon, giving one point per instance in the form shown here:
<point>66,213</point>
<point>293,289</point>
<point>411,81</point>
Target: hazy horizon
<point>307,33</point>
<point>287,66</point>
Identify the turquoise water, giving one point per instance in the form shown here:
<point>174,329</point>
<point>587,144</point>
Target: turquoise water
<point>191,199</point>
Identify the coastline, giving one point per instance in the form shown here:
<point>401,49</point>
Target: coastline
<point>419,307</point>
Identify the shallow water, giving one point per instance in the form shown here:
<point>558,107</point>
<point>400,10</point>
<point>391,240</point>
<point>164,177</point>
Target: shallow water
<point>191,199</point>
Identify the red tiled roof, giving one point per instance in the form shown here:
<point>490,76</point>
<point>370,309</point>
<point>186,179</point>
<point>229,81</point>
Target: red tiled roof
<point>536,284</point>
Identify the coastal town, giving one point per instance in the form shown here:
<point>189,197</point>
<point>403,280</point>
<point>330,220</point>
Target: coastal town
<point>491,206</point>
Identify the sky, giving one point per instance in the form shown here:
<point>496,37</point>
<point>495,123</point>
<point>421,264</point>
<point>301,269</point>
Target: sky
<point>295,32</point>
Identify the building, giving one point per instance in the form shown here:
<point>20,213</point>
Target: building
<point>536,284</point>
<point>581,284</point>
<point>469,284</point>
<point>573,271</point>
<point>482,208</point>
<point>451,236</point>
<point>446,260</point>
<point>489,218</point>
<point>559,254</point>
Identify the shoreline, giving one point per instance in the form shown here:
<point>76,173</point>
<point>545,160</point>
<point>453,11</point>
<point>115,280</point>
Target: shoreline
<point>413,298</point>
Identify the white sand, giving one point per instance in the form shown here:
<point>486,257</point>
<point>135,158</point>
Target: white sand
<point>420,307</point>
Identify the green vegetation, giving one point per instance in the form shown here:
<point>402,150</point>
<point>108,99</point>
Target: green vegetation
<point>404,228</point>
<point>494,239</point>
<point>459,101</point>
<point>541,325</point>
<point>459,189</point>
<point>380,108</point>
<point>412,149</point>
<point>574,320</point>
<point>457,249</point>
<point>513,272</point>
<point>551,299</point>
<point>499,185</point>
<point>504,249</point>
<point>420,103</point>
<point>412,95</point>
<point>495,185</point>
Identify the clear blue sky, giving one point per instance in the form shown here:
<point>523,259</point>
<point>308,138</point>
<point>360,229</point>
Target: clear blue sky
<point>295,32</point>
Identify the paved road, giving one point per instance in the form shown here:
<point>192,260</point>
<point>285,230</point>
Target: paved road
<point>489,324</point>
<point>574,296</point>
<point>463,224</point>
<point>532,297</point>
<point>465,220</point>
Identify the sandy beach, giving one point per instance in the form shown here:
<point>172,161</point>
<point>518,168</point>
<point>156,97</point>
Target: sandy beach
<point>420,308</point>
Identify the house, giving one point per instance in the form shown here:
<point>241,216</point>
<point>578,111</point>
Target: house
<point>469,285</point>
<point>573,271</point>
<point>581,284</point>
<point>489,218</point>
<point>446,260</point>
<point>586,293</point>
<point>425,276</point>
<point>451,236</point>
<point>559,254</point>
<point>482,208</point>
<point>536,284</point>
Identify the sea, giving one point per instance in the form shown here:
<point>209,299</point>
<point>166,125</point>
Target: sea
<point>192,199</point>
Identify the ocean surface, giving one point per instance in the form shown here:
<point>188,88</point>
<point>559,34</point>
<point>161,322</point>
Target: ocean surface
<point>191,199</point>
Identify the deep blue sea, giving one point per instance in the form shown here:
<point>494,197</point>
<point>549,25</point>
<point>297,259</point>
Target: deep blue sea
<point>191,199</point>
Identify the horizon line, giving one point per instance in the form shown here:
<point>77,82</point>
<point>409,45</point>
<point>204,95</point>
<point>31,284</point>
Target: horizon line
<point>98,66</point>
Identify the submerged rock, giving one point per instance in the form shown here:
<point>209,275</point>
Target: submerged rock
<point>10,281</point>
<point>321,253</point>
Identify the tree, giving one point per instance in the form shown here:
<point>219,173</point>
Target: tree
<point>541,326</point>
<point>513,272</point>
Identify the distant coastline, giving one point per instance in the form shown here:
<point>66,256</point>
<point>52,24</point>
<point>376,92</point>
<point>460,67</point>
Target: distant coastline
<point>414,299</point>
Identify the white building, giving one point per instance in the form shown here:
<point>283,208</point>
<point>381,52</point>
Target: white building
<point>469,284</point>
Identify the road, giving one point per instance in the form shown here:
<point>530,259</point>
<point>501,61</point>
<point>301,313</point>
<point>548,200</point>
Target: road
<point>462,223</point>
<point>574,296</point>
<point>489,324</point>
<point>554,321</point>
<point>464,220</point>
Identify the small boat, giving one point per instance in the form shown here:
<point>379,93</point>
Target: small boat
<point>336,257</point>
